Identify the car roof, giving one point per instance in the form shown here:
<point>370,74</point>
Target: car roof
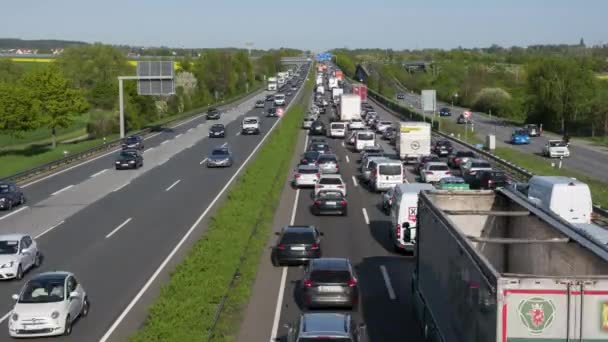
<point>325,322</point>
<point>298,229</point>
<point>221,148</point>
<point>307,167</point>
<point>331,176</point>
<point>334,264</point>
<point>436,164</point>
<point>15,236</point>
<point>251,117</point>
<point>52,275</point>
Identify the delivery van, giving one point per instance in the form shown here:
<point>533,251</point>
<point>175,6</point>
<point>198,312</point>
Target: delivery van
<point>386,174</point>
<point>403,215</point>
<point>363,139</point>
<point>566,197</point>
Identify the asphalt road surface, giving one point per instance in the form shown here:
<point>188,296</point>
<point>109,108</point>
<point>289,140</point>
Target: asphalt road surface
<point>116,229</point>
<point>585,158</point>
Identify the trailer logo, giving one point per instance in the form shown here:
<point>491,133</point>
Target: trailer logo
<point>605,316</point>
<point>536,314</point>
<point>415,145</point>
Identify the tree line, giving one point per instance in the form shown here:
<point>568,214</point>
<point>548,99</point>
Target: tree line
<point>84,78</point>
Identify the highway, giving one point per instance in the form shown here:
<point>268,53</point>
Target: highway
<point>363,236</point>
<point>585,158</point>
<point>117,230</point>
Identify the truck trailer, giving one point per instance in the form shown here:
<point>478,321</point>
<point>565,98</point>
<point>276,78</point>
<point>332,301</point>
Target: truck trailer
<point>413,140</point>
<point>492,267</point>
<point>361,91</point>
<point>350,107</point>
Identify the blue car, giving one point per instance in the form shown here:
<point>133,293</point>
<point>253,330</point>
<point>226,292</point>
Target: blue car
<point>520,137</point>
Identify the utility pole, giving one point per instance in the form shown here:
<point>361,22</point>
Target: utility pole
<point>249,45</point>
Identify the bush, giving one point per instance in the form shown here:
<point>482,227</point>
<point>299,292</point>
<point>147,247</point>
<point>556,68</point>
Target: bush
<point>496,100</point>
<point>101,125</point>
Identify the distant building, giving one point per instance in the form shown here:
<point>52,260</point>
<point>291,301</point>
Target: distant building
<point>26,52</point>
<point>415,66</point>
<point>56,52</point>
<point>361,73</point>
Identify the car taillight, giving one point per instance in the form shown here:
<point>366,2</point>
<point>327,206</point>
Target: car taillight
<point>343,203</point>
<point>281,246</point>
<point>448,173</point>
<point>398,231</point>
<point>428,172</point>
<point>472,172</point>
<point>318,203</point>
<point>337,166</point>
<point>314,246</point>
<point>340,187</point>
<point>375,172</point>
<point>456,160</point>
<point>489,182</point>
<point>318,175</point>
<point>298,175</point>
<point>352,282</point>
<point>308,283</point>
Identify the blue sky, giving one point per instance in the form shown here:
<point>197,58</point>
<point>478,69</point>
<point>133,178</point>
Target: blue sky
<point>312,24</point>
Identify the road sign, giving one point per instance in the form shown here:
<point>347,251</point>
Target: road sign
<point>466,115</point>
<point>279,112</point>
<point>429,100</point>
<point>155,78</point>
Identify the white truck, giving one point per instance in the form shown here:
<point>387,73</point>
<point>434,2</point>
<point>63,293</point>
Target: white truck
<point>319,80</point>
<point>413,140</point>
<point>320,89</point>
<point>335,94</point>
<point>350,107</point>
<point>491,267</point>
<point>271,84</point>
<point>332,83</point>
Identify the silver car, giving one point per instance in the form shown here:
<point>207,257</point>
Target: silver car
<point>326,326</point>
<point>306,175</point>
<point>367,166</point>
<point>328,163</point>
<point>307,122</point>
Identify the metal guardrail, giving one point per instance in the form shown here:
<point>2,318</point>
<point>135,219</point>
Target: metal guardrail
<point>515,171</point>
<point>75,158</point>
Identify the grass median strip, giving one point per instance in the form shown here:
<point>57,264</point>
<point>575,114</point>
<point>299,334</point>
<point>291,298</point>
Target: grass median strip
<point>186,306</point>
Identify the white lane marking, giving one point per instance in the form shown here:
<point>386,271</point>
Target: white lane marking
<point>238,133</point>
<point>80,164</point>
<point>347,159</point>
<point>225,144</point>
<point>203,161</point>
<point>343,144</point>
<point>190,130</point>
<point>365,216</point>
<point>49,229</point>
<point>172,185</point>
<point>387,282</point>
<point>62,190</point>
<point>122,186</point>
<point>5,316</point>
<point>164,142</point>
<point>295,207</point>
<point>98,173</point>
<point>277,310</point>
<point>179,135</point>
<point>118,228</point>
<point>149,149</point>
<point>160,268</point>
<point>11,214</point>
<point>355,181</point>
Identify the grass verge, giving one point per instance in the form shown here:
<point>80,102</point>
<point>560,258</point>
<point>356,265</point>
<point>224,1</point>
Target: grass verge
<point>541,166</point>
<point>450,127</point>
<point>186,306</point>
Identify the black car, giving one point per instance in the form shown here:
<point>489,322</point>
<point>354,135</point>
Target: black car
<point>272,112</point>
<point>442,148</point>
<point>388,133</point>
<point>296,245</point>
<point>400,96</point>
<point>445,112</point>
<point>309,157</point>
<point>260,104</point>
<point>10,195</point>
<point>213,114</point>
<point>317,128</point>
<point>320,147</point>
<point>133,142</point>
<point>330,282</point>
<point>269,98</point>
<point>329,202</point>
<point>461,119</point>
<point>459,157</point>
<point>217,131</point>
<point>129,159</point>
<point>488,179</point>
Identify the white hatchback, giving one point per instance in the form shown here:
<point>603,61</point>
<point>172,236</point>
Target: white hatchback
<point>433,172</point>
<point>18,253</point>
<point>306,175</point>
<point>48,305</point>
<point>356,124</point>
<point>332,182</point>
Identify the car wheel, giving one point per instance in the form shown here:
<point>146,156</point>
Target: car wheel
<point>22,200</point>
<point>19,274</point>
<point>345,212</point>
<point>10,205</point>
<point>274,260</point>
<point>38,260</point>
<point>85,307</point>
<point>68,326</point>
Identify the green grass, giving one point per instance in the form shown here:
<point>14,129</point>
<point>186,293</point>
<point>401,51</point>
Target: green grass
<point>186,307</point>
<point>450,127</point>
<point>542,166</point>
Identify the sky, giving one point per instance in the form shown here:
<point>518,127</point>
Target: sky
<point>313,24</point>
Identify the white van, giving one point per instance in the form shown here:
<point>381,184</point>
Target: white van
<point>403,215</point>
<point>363,139</point>
<point>279,99</point>
<point>386,174</point>
<point>567,197</point>
<point>337,130</point>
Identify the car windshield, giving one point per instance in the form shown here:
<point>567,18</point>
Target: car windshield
<point>132,140</point>
<point>319,147</point>
<point>520,133</point>
<point>557,143</point>
<point>430,159</point>
<point>330,181</point>
<point>438,167</point>
<point>9,247</point>
<point>365,136</point>
<point>219,153</point>
<point>531,127</point>
<point>297,238</point>
<point>330,195</point>
<point>390,170</point>
<point>250,121</point>
<point>279,97</point>
<point>125,154</point>
<point>337,125</point>
<point>498,175</point>
<point>217,127</point>
<point>43,291</point>
<point>311,155</point>
<point>330,276</point>
<point>307,171</point>
<point>3,188</point>
<point>444,110</point>
<point>481,165</point>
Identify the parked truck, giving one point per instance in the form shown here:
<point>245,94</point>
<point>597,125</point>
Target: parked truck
<point>492,267</point>
<point>350,107</point>
<point>413,140</point>
<point>361,91</point>
<point>271,85</point>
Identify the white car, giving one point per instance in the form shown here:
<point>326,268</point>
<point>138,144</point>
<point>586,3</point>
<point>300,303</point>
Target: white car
<point>306,175</point>
<point>250,125</point>
<point>308,122</point>
<point>556,149</point>
<point>355,124</point>
<point>382,125</point>
<point>18,253</point>
<point>48,305</point>
<point>279,99</point>
<point>433,172</point>
<point>331,182</point>
<point>337,130</point>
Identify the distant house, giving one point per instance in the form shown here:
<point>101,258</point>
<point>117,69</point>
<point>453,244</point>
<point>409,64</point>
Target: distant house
<point>415,66</point>
<point>26,52</point>
<point>361,73</point>
<point>57,51</point>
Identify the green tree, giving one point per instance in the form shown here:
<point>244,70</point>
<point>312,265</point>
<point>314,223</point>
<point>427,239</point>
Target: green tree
<point>58,102</point>
<point>19,110</point>
<point>10,71</point>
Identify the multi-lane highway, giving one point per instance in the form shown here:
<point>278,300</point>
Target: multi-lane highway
<point>585,158</point>
<point>117,230</point>
<point>363,236</point>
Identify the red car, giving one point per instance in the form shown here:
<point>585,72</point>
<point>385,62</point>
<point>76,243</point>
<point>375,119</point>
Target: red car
<point>460,157</point>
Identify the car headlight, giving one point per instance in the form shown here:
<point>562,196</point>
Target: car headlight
<point>55,315</point>
<point>15,317</point>
<point>117,162</point>
<point>8,264</point>
<point>131,161</point>
<point>2,199</point>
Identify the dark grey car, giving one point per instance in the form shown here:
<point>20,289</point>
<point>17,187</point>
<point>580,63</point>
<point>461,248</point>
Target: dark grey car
<point>220,157</point>
<point>10,195</point>
<point>326,327</point>
<point>297,245</point>
<point>330,282</point>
